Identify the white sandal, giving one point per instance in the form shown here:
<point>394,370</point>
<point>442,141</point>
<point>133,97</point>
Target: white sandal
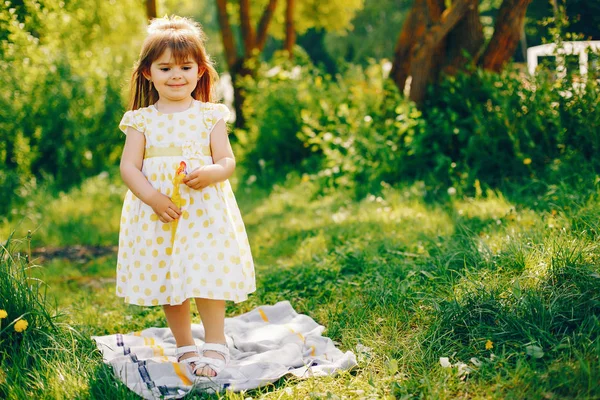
<point>192,361</point>
<point>215,364</point>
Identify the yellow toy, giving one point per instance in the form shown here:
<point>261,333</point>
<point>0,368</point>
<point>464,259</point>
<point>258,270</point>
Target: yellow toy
<point>180,173</point>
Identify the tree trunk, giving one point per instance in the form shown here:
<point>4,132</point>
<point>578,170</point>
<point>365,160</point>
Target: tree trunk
<point>423,59</point>
<point>427,38</point>
<point>263,24</point>
<point>466,37</point>
<point>246,28</point>
<point>290,32</point>
<point>411,33</point>
<point>507,32</point>
<point>227,35</point>
<point>151,9</point>
<point>238,72</point>
<point>435,9</point>
<point>252,42</point>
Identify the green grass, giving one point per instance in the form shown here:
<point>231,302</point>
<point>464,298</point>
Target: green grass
<point>84,216</point>
<point>398,280</point>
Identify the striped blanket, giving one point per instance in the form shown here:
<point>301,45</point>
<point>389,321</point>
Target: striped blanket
<point>265,344</point>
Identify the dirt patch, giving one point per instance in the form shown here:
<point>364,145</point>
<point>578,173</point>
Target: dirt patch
<point>77,253</point>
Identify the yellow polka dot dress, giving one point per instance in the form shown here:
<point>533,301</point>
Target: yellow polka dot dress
<point>206,254</point>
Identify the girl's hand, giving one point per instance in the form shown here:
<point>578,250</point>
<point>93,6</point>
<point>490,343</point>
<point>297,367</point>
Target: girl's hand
<point>200,177</point>
<point>164,208</point>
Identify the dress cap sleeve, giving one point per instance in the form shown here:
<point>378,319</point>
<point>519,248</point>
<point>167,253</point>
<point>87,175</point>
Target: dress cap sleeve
<point>222,112</point>
<point>133,119</point>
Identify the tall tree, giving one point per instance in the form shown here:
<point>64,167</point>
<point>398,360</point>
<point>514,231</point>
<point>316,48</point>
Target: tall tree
<point>412,31</point>
<point>436,38</point>
<point>254,43</point>
<point>507,33</point>
<point>427,55</point>
<point>290,30</point>
<point>282,23</point>
<point>151,9</point>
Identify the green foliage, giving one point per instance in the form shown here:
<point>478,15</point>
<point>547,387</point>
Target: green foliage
<point>49,359</point>
<point>271,146</point>
<point>494,127</point>
<point>350,131</point>
<point>547,304</point>
<point>369,38</point>
<point>62,70</point>
<point>334,15</point>
<point>476,128</point>
<point>362,128</point>
<point>23,299</point>
<point>82,215</point>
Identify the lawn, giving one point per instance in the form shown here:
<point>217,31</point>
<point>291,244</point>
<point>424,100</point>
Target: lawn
<point>505,285</point>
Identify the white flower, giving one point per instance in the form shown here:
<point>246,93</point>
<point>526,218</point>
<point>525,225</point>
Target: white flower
<point>451,191</point>
<point>360,348</point>
<point>296,72</point>
<point>476,361</point>
<point>340,217</point>
<point>534,351</point>
<point>272,72</point>
<point>463,369</point>
<point>445,362</point>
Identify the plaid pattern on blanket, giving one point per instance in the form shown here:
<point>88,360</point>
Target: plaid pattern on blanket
<point>265,344</point>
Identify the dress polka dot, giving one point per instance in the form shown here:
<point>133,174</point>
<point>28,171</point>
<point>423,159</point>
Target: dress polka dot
<point>203,254</point>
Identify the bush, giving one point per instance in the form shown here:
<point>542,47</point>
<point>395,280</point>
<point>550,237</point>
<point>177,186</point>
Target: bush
<point>363,129</point>
<point>349,131</point>
<point>475,128</point>
<point>493,127</point>
<point>61,98</point>
<point>275,101</point>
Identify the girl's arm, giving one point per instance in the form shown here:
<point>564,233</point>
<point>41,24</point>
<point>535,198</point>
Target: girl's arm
<point>131,172</point>
<point>224,161</point>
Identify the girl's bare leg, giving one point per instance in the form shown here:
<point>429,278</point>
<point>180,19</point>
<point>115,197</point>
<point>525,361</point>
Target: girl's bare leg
<point>180,322</point>
<point>212,313</point>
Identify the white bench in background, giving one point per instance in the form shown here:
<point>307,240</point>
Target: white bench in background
<point>567,48</point>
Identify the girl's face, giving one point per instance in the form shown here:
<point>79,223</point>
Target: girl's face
<point>174,82</point>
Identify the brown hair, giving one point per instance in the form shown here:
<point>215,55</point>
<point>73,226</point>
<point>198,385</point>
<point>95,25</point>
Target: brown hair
<point>185,39</point>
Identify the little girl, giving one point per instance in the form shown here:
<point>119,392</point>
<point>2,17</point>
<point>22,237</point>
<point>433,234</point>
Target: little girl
<point>181,235</point>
